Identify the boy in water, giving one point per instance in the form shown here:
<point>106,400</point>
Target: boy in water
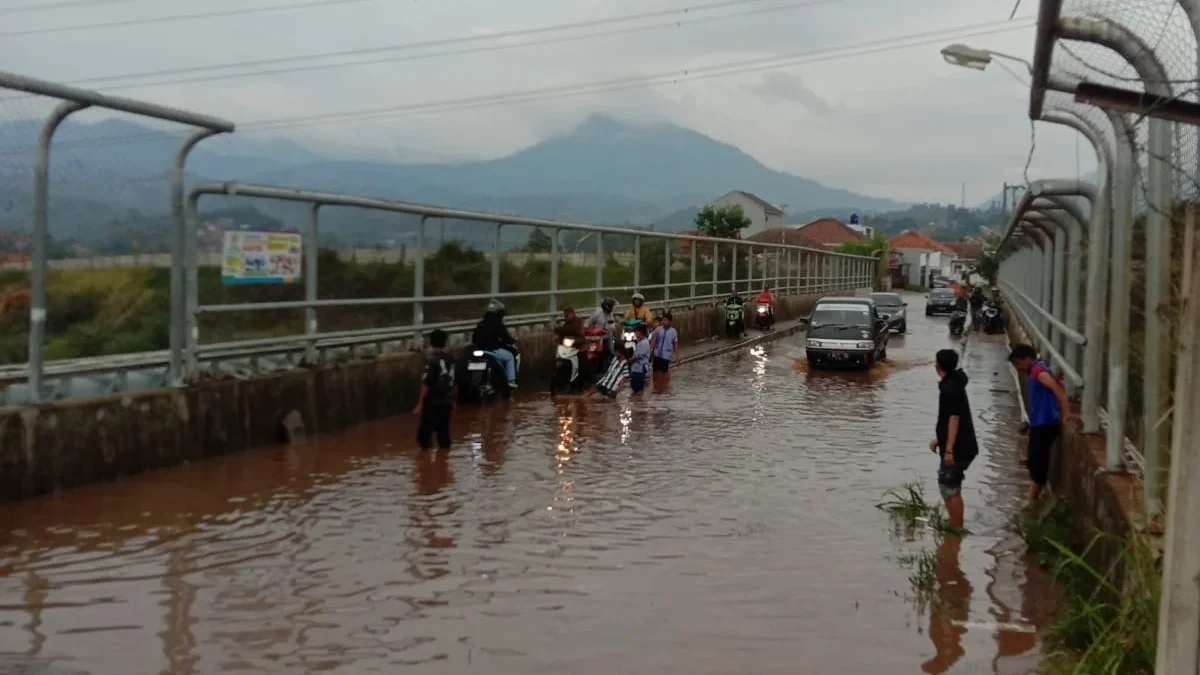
<point>639,364</point>
<point>955,440</point>
<point>437,394</point>
<point>617,372</point>
<point>664,351</point>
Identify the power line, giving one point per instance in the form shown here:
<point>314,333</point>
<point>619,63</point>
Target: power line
<point>460,40</point>
<point>64,4</point>
<point>616,84</point>
<point>179,17</point>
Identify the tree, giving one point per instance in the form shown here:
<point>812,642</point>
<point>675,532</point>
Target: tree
<point>723,222</point>
<point>870,247</point>
<point>539,242</point>
<point>989,261</point>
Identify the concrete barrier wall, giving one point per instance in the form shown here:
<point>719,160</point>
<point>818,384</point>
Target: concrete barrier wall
<point>1100,501</point>
<point>75,442</point>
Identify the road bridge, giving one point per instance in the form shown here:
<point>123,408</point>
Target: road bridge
<point>728,525</point>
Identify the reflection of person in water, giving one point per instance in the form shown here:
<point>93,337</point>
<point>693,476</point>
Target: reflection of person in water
<point>951,605</point>
<point>431,474</point>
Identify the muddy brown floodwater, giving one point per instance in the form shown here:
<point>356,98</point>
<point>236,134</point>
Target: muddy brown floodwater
<point>726,527</point>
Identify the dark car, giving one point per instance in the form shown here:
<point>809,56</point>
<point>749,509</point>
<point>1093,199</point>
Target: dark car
<point>891,306</point>
<point>940,301</point>
<point>846,332</point>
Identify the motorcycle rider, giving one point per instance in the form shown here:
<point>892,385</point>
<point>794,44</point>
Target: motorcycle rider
<point>976,302</point>
<point>492,336</point>
<point>604,317</point>
<point>639,310</point>
<point>767,297</point>
<point>571,326</point>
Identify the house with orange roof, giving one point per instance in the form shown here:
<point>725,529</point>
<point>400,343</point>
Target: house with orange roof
<point>829,233</point>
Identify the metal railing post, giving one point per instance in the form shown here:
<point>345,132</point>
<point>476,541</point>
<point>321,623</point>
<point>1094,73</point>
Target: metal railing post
<point>311,254</point>
<point>496,253</point>
<point>599,268</point>
<point>178,320</point>
<point>419,278</point>
<point>555,245</point>
<point>733,272</point>
<point>666,274</point>
<point>637,263</point>
<point>41,244</point>
<point>716,269</point>
<point>191,288</point>
<point>1118,290</point>
<point>692,290</point>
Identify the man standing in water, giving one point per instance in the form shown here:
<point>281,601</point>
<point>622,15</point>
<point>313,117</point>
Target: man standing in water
<point>955,442</point>
<point>437,394</point>
<point>1049,409</point>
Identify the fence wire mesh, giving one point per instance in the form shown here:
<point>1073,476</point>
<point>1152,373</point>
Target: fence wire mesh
<point>1163,28</point>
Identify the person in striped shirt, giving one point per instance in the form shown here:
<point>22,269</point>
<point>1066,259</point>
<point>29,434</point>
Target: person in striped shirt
<point>615,377</point>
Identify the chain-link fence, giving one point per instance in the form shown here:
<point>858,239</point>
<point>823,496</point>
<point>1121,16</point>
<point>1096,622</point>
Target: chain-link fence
<point>1159,58</point>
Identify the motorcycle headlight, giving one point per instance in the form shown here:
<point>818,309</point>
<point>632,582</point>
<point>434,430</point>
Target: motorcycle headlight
<point>762,310</point>
<point>568,342</point>
<point>477,352</point>
<point>866,345</point>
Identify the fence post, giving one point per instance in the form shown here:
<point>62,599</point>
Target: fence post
<point>716,264</point>
<point>666,274</point>
<point>419,280</point>
<point>178,245</point>
<point>733,269</point>
<point>310,285</point>
<point>693,286</point>
<point>637,263</point>
<point>599,267</point>
<point>554,255</point>
<point>496,260</point>
<point>41,242</point>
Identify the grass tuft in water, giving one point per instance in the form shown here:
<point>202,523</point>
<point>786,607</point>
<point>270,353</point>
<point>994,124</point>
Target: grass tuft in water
<point>1107,615</point>
<point>908,508</point>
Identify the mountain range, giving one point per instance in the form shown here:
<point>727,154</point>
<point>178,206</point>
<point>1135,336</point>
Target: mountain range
<point>605,171</point>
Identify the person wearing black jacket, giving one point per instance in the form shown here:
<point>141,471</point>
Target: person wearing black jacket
<point>976,301</point>
<point>955,440</point>
<point>491,335</point>
<point>436,401</point>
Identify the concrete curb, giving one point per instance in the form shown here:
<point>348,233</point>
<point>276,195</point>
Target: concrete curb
<point>777,334</point>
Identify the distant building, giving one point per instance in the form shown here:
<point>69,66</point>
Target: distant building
<point>829,233</point>
<point>762,214</point>
<point>922,257</point>
<point>783,235</point>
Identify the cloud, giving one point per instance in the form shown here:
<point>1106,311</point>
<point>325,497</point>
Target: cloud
<point>790,87</point>
<point>898,123</point>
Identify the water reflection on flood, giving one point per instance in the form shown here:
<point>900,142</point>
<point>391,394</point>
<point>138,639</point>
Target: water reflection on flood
<point>726,526</point>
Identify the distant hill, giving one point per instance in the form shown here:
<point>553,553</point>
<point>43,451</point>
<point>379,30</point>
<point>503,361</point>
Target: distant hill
<point>605,171</point>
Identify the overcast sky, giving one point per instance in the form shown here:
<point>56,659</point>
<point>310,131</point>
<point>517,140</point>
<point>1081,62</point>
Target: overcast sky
<point>898,122</point>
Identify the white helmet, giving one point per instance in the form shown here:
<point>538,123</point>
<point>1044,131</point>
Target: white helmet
<point>638,297</point>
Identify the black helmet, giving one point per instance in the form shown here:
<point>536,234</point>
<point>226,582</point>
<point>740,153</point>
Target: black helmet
<point>495,307</point>
<point>608,304</point>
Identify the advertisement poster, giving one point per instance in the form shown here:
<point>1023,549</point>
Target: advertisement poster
<point>261,258</point>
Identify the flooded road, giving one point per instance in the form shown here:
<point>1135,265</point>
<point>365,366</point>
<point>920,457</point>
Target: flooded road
<point>728,526</point>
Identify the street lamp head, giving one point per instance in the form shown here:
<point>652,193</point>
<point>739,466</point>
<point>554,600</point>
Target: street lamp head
<point>967,57</point>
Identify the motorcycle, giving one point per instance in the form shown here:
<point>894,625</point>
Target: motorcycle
<point>593,351</point>
<point>484,380</point>
<point>735,322</point>
<point>567,378</point>
<point>629,334</point>
<point>763,319</point>
<point>958,322</point>
<point>993,319</point>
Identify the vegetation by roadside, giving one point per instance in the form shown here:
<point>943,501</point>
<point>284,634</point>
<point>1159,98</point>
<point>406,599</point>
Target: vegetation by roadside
<point>94,312</point>
<point>1107,612</point>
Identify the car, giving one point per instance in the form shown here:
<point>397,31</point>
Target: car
<point>892,307</point>
<point>940,301</point>
<point>846,332</point>
<point>939,282</point>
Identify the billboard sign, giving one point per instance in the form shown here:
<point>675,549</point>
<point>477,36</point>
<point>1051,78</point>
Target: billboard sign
<point>261,257</point>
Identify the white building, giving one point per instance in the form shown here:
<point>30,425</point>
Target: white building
<point>922,257</point>
<point>762,214</point>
